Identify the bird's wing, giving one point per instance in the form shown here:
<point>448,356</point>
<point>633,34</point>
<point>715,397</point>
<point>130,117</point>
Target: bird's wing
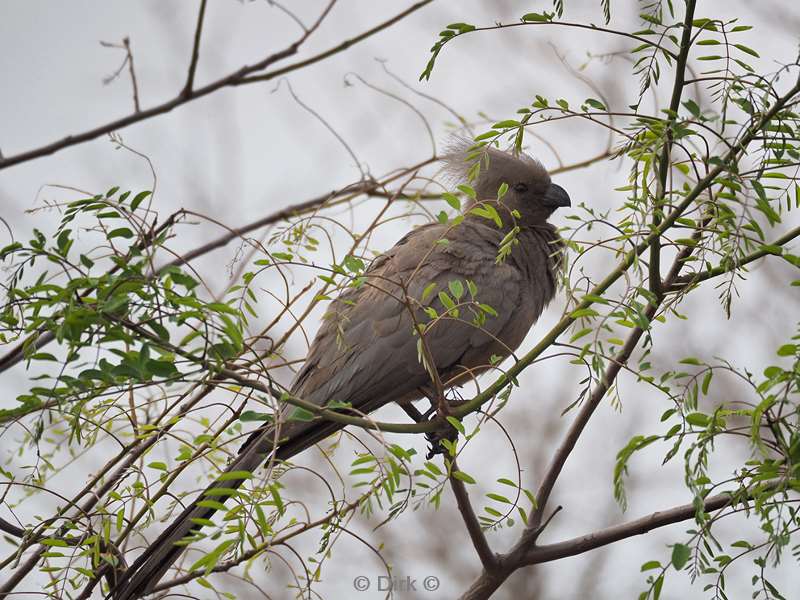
<point>366,351</point>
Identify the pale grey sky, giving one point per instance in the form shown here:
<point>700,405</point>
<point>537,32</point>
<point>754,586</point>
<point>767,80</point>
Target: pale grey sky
<point>246,151</point>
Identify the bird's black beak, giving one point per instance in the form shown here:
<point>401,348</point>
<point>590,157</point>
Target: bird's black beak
<point>556,196</point>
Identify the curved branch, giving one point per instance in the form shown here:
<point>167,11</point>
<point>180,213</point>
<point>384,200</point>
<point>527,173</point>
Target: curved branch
<point>691,279</point>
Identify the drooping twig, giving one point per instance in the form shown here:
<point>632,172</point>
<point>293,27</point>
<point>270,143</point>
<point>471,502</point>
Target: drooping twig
<point>42,338</point>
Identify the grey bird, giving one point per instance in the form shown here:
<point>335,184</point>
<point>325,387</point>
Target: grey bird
<point>367,354</point>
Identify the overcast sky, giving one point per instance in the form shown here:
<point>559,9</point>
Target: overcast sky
<point>246,151</point>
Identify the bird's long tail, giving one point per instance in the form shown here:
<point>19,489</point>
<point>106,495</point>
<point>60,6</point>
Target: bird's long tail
<point>148,569</point>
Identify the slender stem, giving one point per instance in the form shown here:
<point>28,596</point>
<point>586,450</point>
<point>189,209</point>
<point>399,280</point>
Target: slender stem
<point>131,69</point>
<point>665,160</point>
<point>187,89</point>
<point>691,279</point>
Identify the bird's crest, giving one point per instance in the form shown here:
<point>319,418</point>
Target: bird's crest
<point>486,168</point>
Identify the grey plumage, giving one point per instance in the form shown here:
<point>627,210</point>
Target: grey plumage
<point>365,353</point>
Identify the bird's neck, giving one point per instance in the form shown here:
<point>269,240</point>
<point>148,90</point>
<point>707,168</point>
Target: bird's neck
<point>540,247</point>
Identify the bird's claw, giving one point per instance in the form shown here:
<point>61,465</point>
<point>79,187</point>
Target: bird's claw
<point>435,438</point>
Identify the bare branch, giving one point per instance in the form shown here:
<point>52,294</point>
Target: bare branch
<point>238,77</point>
<point>487,584</point>
<point>187,89</point>
<point>615,533</point>
<point>488,558</point>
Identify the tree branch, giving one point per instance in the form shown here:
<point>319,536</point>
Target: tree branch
<point>684,281</point>
<point>665,160</point>
<point>615,533</point>
<point>187,89</point>
<point>488,558</point>
<point>236,78</point>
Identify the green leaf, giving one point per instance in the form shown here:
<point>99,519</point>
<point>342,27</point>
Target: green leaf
<point>446,300</point>
<point>502,191</point>
<point>122,232</point>
<point>596,104</point>
<point>468,190</point>
<point>651,564</point>
<point>698,419</point>
<point>488,309</point>
<point>706,381</point>
<point>690,360</point>
<point>461,27</point>
<point>487,211</point>
<point>452,200</point>
<point>301,414</point>
<point>537,17</point>
<point>578,335</point>
<point>251,415</point>
<point>747,50</point>
<point>210,560</point>
<point>508,123</point>
<point>680,556</point>
<point>659,583</point>
<point>139,198</point>
<point>353,264</point>
<point>499,498</point>
<point>584,312</point>
<point>458,425</point>
<point>462,476</point>
<point>235,476</point>
<point>64,242</point>
<point>456,288</point>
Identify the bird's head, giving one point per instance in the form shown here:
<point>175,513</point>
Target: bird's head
<point>530,191</point>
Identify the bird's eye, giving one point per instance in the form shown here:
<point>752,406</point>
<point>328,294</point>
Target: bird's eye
<point>521,187</point>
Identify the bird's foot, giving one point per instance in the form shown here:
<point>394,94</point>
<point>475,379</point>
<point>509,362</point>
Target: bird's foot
<point>436,439</point>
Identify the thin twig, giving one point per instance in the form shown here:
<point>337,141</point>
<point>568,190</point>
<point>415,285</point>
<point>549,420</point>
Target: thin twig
<point>665,160</point>
<point>187,89</point>
<point>693,278</point>
<point>238,77</point>
<point>127,43</point>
